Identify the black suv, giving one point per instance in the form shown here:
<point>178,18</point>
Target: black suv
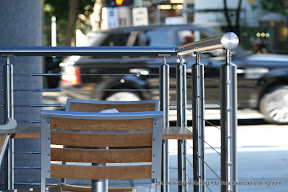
<point>262,79</point>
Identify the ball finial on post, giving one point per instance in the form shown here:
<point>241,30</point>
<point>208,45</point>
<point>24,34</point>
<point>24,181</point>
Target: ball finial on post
<point>230,41</point>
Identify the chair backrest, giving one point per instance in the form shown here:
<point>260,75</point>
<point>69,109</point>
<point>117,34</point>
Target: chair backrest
<point>80,105</point>
<point>135,137</point>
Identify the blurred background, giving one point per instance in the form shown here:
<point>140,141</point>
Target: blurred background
<point>262,77</point>
<point>254,21</point>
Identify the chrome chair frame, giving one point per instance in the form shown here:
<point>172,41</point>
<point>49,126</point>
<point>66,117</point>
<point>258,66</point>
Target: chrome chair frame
<point>157,117</point>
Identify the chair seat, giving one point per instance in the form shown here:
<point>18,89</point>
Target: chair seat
<point>75,188</point>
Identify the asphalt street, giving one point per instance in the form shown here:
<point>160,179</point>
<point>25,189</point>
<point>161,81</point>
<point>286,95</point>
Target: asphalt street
<point>262,158</point>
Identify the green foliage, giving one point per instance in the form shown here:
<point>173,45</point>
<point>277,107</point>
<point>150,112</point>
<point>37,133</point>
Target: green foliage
<point>60,9</point>
<point>276,6</point>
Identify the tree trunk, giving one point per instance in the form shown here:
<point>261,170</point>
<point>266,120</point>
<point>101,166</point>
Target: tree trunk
<point>226,12</point>
<point>98,6</point>
<point>237,24</point>
<point>73,7</point>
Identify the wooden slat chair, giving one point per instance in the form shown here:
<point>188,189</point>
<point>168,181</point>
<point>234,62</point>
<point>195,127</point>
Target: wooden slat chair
<point>84,130</point>
<point>80,105</point>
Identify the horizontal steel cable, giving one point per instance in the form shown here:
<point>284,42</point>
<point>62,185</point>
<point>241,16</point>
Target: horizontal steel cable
<point>190,129</point>
<point>206,101</point>
<point>210,146</point>
<point>189,110</point>
<point>190,180</point>
<point>39,90</point>
<point>212,124</point>
<point>60,90</point>
<point>206,185</point>
<point>212,102</point>
<point>27,121</point>
<point>211,79</point>
<point>188,161</point>
<point>173,128</point>
<point>208,188</point>
<point>83,74</point>
<point>189,145</point>
<point>126,90</point>
<point>210,168</point>
<point>38,105</point>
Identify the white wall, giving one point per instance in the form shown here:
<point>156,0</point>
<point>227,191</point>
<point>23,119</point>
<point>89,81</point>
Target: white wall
<point>248,17</point>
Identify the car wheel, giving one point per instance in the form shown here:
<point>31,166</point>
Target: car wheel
<point>274,105</point>
<point>123,96</point>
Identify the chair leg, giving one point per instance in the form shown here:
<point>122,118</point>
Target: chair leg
<point>43,184</point>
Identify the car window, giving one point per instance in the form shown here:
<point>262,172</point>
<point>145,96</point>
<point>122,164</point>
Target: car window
<point>116,39</point>
<point>160,38</point>
<point>188,36</point>
<point>141,39</point>
<point>137,38</point>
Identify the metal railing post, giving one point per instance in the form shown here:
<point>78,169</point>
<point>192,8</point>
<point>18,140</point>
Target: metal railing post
<point>181,121</point>
<point>8,91</point>
<point>164,106</point>
<point>9,114</point>
<point>198,125</point>
<point>228,125</point>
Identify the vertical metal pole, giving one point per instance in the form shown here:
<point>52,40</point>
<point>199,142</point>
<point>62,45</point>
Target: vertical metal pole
<point>228,125</point>
<point>157,11</point>
<point>181,121</point>
<point>53,32</point>
<point>99,185</point>
<point>8,90</point>
<point>10,168</point>
<point>164,106</point>
<point>198,125</point>
<point>184,14</point>
<point>9,113</point>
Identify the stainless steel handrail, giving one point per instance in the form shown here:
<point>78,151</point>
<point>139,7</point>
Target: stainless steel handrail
<point>227,41</point>
<point>87,51</point>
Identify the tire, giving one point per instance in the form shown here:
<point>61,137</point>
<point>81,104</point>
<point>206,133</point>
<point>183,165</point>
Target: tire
<point>274,105</point>
<point>123,96</point>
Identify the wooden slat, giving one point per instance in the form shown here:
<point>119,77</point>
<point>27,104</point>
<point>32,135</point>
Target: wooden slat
<point>123,189</point>
<point>2,139</point>
<point>101,140</point>
<point>101,156</point>
<point>177,136</point>
<point>25,136</point>
<point>76,188</point>
<point>101,172</point>
<point>168,133</point>
<point>93,107</point>
<point>101,125</point>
